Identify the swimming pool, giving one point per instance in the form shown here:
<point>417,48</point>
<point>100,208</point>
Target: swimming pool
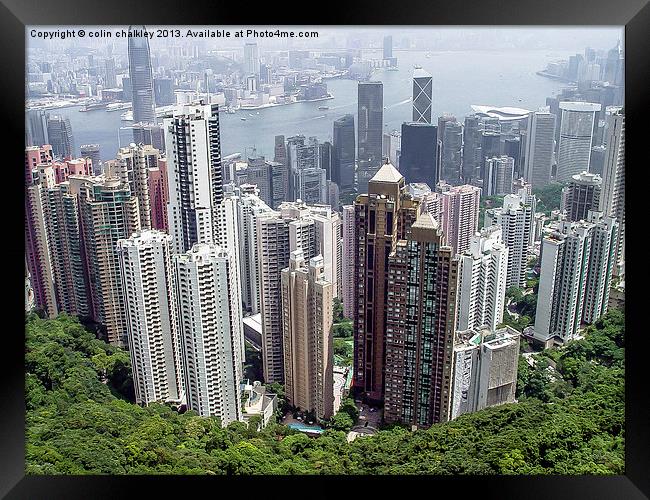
<point>306,428</point>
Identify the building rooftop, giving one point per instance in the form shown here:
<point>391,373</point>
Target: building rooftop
<point>579,106</point>
<point>387,173</point>
<point>506,113</point>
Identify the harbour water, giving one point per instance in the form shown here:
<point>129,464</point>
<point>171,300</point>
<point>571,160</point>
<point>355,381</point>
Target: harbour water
<point>460,79</point>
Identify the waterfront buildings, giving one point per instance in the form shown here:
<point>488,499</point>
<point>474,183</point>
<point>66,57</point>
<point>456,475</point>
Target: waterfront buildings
<point>307,301</point>
<point>141,80</point>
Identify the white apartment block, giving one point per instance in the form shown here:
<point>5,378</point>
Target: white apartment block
<point>210,330</point>
<point>152,322</point>
<point>348,259</point>
<point>482,281</point>
<point>459,215</point>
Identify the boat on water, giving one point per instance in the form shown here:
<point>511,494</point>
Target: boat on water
<point>243,118</point>
<point>93,106</point>
<point>322,108</point>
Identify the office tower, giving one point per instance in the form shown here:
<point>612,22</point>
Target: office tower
<point>210,328</point>
<point>612,199</point>
<point>597,160</point>
<point>110,76</point>
<point>307,180</point>
<point>512,148</point>
<point>163,91</point>
<point>37,243</point>
<point>422,95</point>
<point>333,194</point>
<point>516,221</point>
<point>325,152</point>
<point>158,195</point>
<point>149,290</point>
<point>92,152</point>
<point>67,260</point>
<point>499,171</point>
<point>388,47</point>
<point>149,133</point>
<point>485,369</point>
<point>538,156</point>
<point>582,195</point>
<point>482,280</point>
<point>419,153</point>
<point>194,174</point>
<point>576,271</point>
<point>127,93</point>
<point>36,128</point>
<point>250,208</point>
<point>395,148</point>
<point>471,148</point>
<point>132,168</point>
<point>141,79</point>
<point>109,212</point>
<point>311,185</point>
<point>280,156</point>
<point>59,132</point>
<point>490,147</point>
<point>576,137</point>
<point>459,215</point>
<point>251,60</point>
<point>347,261</point>
<point>370,126</point>
<point>307,301</point>
<point>259,172</point>
<point>382,217</point>
<point>420,326</point>
<point>451,149</point>
<point>343,153</point>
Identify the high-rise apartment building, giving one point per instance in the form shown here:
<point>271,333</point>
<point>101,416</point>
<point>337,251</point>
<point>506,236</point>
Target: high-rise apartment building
<point>419,153</point>
<point>158,195</point>
<point>194,175</point>
<point>307,302</point>
<point>344,153</point>
<point>210,327</point>
<point>539,145</point>
<point>370,124</point>
<point>422,95</point>
<point>485,369</point>
<point>577,262</point>
<point>576,138</point>
<point>347,261</point>
<point>382,217</point>
<point>109,213</point>
<point>420,326</point>
<point>482,281</point>
<point>149,290</point>
<point>581,195</point>
<point>516,219</point>
<point>141,79</point>
<point>459,215</point>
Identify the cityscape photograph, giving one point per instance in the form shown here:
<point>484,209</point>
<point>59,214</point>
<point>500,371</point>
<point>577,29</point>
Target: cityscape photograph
<point>324,250</point>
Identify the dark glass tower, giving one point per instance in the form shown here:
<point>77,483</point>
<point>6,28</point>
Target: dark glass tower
<point>452,143</point>
<point>370,125</point>
<point>418,161</point>
<point>471,148</point>
<point>141,77</point>
<point>343,153</point>
<point>422,95</point>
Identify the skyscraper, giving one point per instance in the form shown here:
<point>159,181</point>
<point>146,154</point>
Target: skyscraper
<point>575,279</point>
<point>388,47</point>
<point>141,78</point>
<point>92,151</point>
<point>482,280</point>
<point>419,153</point>
<point>59,132</point>
<point>280,156</point>
<point>343,153</point>
<point>210,330</point>
<point>499,171</point>
<point>459,215</point>
<point>348,258</point>
<point>251,59</point>
<point>159,195</point>
<point>516,221</point>
<point>576,137</point>
<point>194,174</point>
<point>582,195</point>
<point>451,151</point>
<point>147,273</point>
<point>420,326</point>
<point>307,301</point>
<point>612,200</point>
<point>471,148</point>
<point>538,156</point>
<point>422,95</point>
<point>369,131</point>
<point>382,217</point>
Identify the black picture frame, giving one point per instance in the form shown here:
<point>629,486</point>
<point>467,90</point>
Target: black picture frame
<point>633,14</point>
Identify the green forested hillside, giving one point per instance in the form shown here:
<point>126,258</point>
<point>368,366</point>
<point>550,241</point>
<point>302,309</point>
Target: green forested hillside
<point>570,420</point>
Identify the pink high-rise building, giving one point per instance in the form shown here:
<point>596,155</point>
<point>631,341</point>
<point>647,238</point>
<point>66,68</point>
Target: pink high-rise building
<point>348,261</point>
<point>459,215</point>
<point>34,156</point>
<point>64,169</point>
<point>158,195</point>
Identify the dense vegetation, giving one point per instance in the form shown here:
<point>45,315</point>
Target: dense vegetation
<point>342,329</point>
<point>79,421</point>
<point>548,198</point>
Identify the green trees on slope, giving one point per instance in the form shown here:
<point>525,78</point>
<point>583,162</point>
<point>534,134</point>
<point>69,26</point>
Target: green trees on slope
<point>79,421</point>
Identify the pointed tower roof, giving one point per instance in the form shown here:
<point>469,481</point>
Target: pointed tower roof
<point>387,173</point>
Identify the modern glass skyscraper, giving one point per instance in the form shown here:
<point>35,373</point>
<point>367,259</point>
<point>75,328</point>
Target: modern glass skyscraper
<point>419,156</point>
<point>422,95</point>
<point>141,78</point>
<point>388,47</point>
<point>451,139</point>
<point>471,148</point>
<point>576,138</point>
<point>343,154</point>
<point>369,128</point>
<point>538,156</point>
